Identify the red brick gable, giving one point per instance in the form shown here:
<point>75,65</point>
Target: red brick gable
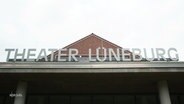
<point>92,42</point>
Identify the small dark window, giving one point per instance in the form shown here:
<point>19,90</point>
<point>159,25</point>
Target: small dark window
<point>35,99</point>
<point>124,99</point>
<point>57,99</point>
<point>80,99</point>
<point>103,99</point>
<point>146,99</point>
<point>174,99</point>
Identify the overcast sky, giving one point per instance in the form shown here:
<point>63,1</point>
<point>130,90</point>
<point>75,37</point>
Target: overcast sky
<point>57,23</point>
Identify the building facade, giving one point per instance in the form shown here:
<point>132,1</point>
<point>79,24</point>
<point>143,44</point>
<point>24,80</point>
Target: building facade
<point>91,82</point>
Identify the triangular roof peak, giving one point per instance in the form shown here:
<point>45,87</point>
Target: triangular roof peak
<point>92,42</point>
<point>93,37</point>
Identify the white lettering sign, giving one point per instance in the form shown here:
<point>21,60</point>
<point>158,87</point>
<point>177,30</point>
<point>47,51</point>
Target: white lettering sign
<point>101,54</point>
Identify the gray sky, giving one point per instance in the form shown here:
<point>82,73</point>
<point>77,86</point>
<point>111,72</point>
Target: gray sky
<point>57,23</point>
